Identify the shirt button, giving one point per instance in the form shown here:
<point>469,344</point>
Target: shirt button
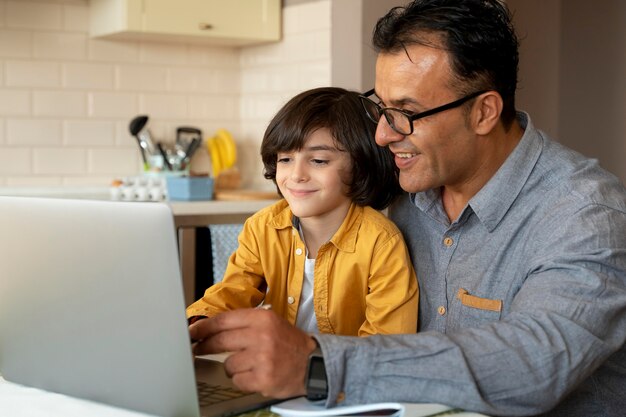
<point>441,310</point>
<point>448,241</point>
<point>290,300</point>
<point>298,251</point>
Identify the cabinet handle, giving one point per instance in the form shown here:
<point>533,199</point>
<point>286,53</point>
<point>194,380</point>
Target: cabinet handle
<point>205,26</point>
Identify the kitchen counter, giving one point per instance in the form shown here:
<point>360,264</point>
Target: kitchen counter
<point>230,206</point>
<point>229,203</point>
<point>82,193</point>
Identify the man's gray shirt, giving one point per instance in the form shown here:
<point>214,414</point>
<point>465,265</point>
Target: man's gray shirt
<point>522,298</point>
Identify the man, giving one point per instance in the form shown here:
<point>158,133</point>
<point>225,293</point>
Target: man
<point>519,244</point>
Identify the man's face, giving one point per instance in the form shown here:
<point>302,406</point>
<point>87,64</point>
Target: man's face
<point>441,150</point>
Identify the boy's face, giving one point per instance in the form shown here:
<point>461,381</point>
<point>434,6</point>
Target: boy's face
<point>312,179</point>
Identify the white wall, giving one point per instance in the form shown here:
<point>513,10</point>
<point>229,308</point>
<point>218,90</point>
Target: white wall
<point>372,11</point>
<point>353,57</point>
<point>538,23</point>
<point>593,81</point>
<point>273,73</point>
<point>572,82</point>
<point>66,100</point>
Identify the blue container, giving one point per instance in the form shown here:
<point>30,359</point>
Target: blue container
<point>189,188</point>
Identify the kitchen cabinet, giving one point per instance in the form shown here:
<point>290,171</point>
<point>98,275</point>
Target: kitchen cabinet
<point>220,22</point>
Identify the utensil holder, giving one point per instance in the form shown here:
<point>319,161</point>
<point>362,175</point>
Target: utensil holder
<point>189,188</point>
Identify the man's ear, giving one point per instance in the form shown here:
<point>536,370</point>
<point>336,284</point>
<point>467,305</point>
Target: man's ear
<point>486,112</point>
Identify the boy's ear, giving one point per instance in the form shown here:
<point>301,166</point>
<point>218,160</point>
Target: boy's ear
<point>486,112</point>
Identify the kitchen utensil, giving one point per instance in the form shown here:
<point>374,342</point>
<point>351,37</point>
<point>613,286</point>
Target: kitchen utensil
<point>187,140</point>
<point>139,130</point>
<point>134,127</point>
<point>185,134</point>
<point>191,149</point>
<point>164,155</point>
<point>137,124</point>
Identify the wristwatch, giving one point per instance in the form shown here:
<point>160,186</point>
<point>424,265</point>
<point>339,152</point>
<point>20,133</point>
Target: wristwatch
<point>316,382</point>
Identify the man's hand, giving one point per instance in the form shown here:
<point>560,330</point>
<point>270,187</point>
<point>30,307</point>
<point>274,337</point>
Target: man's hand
<point>269,356</point>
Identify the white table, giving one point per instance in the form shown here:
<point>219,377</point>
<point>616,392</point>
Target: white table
<point>20,401</point>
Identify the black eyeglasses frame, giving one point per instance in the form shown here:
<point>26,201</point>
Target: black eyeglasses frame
<point>409,115</point>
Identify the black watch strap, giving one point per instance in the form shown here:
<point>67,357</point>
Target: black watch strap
<point>316,381</point>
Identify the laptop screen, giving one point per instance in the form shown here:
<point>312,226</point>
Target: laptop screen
<point>91,303</point>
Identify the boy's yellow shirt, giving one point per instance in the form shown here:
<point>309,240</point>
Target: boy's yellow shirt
<point>364,280</point>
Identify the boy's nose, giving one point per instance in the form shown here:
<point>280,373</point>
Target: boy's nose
<point>298,173</point>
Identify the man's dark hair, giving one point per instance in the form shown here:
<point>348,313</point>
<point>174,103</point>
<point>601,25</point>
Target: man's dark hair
<point>374,179</point>
<point>478,35</point>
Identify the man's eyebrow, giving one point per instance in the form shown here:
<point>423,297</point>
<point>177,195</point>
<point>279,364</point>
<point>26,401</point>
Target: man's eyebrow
<point>398,102</point>
<point>403,101</point>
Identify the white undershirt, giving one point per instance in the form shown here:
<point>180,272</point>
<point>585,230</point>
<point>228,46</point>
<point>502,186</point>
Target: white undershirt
<point>306,320</point>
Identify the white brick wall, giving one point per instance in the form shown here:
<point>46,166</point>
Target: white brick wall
<point>272,74</point>
<point>31,15</point>
<point>66,100</point>
<point>89,133</point>
<point>15,102</point>
<point>88,76</point>
<point>15,43</point>
<point>34,132</point>
<point>32,74</point>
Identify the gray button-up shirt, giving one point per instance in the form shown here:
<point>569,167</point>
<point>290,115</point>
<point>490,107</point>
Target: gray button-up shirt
<point>522,298</point>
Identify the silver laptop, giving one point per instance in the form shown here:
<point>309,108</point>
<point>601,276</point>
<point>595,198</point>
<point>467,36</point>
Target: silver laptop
<point>91,305</point>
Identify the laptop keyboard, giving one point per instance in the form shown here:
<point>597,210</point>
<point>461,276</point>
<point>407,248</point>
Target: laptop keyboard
<point>211,394</point>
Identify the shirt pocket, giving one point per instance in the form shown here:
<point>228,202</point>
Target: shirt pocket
<point>475,311</point>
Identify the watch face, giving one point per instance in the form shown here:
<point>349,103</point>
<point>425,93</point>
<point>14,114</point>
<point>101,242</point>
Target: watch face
<point>316,387</point>
<point>317,374</point>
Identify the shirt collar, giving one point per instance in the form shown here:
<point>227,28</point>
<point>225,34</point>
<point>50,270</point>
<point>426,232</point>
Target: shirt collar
<point>284,218</point>
<point>344,238</point>
<point>493,201</point>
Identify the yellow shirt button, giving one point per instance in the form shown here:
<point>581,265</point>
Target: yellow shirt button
<point>448,241</point>
<point>298,251</point>
<point>341,397</point>
<point>290,300</point>
<point>441,310</point>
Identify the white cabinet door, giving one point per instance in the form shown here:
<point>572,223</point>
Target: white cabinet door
<point>231,22</point>
<point>246,19</point>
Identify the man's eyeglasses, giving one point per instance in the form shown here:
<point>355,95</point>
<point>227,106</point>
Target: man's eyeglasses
<point>401,121</point>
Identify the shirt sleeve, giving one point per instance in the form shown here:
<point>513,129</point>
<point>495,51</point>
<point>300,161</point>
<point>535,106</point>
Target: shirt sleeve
<point>567,319</point>
<point>392,299</point>
<point>243,284</point>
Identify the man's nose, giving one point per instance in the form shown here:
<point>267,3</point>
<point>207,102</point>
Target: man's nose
<point>385,134</point>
